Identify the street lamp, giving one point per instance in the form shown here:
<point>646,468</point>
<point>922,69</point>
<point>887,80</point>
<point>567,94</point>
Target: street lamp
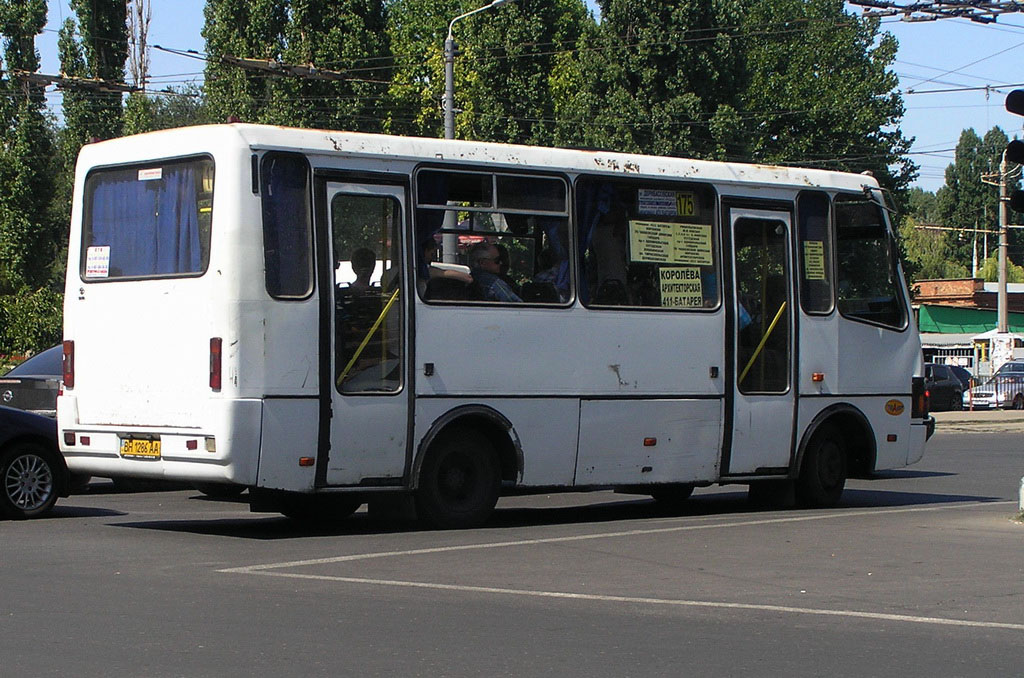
<point>449,69</point>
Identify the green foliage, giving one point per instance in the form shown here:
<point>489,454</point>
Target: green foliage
<point>989,270</point>
<point>819,91</point>
<point>927,255</point>
<point>346,36</point>
<point>965,202</point>
<point>30,231</point>
<point>923,206</point>
<point>177,107</point>
<point>30,320</point>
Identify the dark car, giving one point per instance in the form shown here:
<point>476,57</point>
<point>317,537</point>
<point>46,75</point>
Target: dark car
<point>964,375</point>
<point>944,387</point>
<point>33,384</point>
<point>32,471</point>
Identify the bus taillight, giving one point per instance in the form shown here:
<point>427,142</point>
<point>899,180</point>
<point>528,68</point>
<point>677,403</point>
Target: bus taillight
<point>68,368</point>
<point>215,361</point>
<point>919,397</point>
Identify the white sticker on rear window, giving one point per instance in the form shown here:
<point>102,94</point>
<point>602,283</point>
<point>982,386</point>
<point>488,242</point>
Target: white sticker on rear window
<point>151,174</point>
<point>97,262</point>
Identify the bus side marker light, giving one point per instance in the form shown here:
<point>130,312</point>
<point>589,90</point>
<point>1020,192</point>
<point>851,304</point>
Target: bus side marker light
<point>191,444</point>
<point>69,438</point>
<point>818,376</point>
<point>306,461</point>
<point>650,442</point>
<point>85,440</point>
<point>891,437</point>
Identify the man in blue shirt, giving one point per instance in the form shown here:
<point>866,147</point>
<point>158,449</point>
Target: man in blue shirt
<point>484,264</point>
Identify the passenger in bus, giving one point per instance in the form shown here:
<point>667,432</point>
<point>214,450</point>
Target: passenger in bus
<point>504,263</point>
<point>363,263</point>
<point>455,283</point>
<point>485,268</point>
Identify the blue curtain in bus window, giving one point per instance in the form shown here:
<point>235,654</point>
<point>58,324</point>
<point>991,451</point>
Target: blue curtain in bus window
<point>594,200</point>
<point>151,227</point>
<point>431,189</point>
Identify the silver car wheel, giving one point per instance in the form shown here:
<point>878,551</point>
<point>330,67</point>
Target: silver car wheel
<point>29,482</point>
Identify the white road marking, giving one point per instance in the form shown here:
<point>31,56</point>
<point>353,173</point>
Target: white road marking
<point>266,570</point>
<point>248,569</point>
<point>881,616</point>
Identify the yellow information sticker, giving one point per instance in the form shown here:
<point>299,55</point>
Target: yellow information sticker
<point>662,242</point>
<point>814,260</point>
<point>681,287</point>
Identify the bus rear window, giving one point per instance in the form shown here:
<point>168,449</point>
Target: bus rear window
<point>148,221</point>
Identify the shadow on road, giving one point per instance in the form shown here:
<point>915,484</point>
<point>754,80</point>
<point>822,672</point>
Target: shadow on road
<point>628,508</point>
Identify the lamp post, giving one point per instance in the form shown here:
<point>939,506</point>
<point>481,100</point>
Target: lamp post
<point>449,69</point>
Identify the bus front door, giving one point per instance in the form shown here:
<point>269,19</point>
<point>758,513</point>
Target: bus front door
<point>368,385</point>
<point>762,365</point>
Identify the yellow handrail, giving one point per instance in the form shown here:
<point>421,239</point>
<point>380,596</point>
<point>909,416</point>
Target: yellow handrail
<point>366,339</point>
<point>764,339</point>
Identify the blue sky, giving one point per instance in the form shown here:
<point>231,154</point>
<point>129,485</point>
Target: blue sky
<point>951,54</point>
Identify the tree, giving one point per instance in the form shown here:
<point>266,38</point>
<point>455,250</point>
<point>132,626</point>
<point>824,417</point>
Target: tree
<point>654,77</point>
<point>819,91</point>
<point>99,54</point>
<point>923,206</point>
<point>927,255</point>
<point>340,35</point>
<point>965,202</point>
<point>504,72</point>
<point>345,37</point>
<point>251,29</point>
<point>989,270</point>
<point>30,232</point>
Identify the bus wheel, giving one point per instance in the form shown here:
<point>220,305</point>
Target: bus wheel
<point>671,498</point>
<point>28,472</point>
<point>318,508</point>
<point>459,481</point>
<point>823,474</point>
<point>1018,402</point>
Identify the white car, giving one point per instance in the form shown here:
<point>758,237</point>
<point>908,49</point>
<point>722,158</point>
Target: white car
<point>1004,390</point>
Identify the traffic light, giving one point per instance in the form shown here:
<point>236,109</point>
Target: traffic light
<point>1015,149</point>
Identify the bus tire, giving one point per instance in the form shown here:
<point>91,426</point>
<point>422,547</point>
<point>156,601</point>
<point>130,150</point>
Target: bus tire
<point>459,481</point>
<point>672,498</point>
<point>823,473</point>
<point>29,475</point>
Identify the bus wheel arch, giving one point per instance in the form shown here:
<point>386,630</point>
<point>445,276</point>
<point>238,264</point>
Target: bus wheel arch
<point>838,444</point>
<point>462,464</point>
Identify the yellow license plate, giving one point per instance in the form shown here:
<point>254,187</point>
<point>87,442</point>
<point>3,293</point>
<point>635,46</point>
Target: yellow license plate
<point>137,448</point>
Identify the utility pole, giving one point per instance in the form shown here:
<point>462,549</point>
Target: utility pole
<point>1004,244</point>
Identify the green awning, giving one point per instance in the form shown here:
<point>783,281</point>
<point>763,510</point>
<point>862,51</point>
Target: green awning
<point>956,320</point>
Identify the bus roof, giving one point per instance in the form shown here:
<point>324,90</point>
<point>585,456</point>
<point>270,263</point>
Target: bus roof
<point>327,142</point>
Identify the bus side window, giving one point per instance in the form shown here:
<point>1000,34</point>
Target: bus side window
<point>815,255</point>
<point>287,229</point>
<point>647,244</point>
<point>500,238</point>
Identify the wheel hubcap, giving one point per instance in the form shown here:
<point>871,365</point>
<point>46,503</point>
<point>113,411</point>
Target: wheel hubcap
<point>28,482</point>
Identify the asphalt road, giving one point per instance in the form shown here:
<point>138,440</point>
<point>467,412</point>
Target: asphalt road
<point>918,573</point>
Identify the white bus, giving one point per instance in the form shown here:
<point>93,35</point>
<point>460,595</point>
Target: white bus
<point>327,318</point>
